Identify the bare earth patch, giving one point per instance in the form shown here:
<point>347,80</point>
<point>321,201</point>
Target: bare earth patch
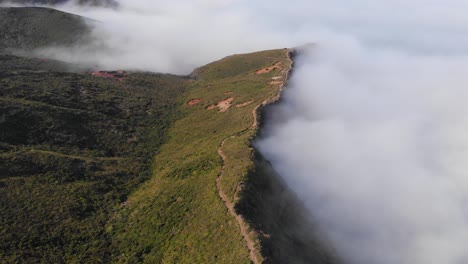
<point>211,107</point>
<point>224,105</point>
<point>118,75</point>
<point>269,69</point>
<point>244,103</point>
<point>194,101</point>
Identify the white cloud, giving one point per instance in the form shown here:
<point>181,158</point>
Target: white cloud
<point>376,143</point>
<point>166,36</point>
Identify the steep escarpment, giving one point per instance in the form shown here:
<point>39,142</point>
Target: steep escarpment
<point>286,233</point>
<point>280,221</point>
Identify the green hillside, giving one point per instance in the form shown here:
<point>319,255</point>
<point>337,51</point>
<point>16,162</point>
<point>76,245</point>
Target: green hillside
<point>72,148</point>
<point>75,149</point>
<point>135,167</point>
<point>182,201</point>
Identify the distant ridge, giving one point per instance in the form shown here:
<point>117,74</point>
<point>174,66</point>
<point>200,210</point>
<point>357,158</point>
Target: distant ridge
<point>107,3</point>
<point>27,28</point>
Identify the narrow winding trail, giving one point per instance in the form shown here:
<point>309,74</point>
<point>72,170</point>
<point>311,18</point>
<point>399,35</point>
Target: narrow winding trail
<point>230,205</point>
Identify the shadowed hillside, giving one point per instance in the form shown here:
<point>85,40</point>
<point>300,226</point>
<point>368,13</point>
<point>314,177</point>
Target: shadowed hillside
<point>72,147</point>
<point>286,232</point>
<point>107,3</point>
<point>27,28</point>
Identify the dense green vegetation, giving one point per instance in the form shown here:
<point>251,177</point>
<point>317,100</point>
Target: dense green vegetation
<point>72,147</point>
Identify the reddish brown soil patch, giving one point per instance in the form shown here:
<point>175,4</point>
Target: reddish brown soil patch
<point>269,69</point>
<point>224,105</point>
<point>118,75</point>
<point>194,101</point>
<point>244,104</point>
<point>211,107</point>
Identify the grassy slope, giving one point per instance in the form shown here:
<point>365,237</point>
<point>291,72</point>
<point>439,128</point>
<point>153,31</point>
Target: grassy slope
<point>72,147</point>
<point>177,216</point>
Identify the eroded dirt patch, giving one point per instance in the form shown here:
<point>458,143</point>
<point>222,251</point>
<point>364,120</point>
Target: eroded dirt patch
<point>224,105</point>
<point>194,101</point>
<point>118,75</point>
<point>270,68</point>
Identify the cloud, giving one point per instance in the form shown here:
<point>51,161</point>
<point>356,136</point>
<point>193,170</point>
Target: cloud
<point>165,36</point>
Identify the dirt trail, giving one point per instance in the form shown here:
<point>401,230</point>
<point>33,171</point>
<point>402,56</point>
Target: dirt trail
<point>230,205</point>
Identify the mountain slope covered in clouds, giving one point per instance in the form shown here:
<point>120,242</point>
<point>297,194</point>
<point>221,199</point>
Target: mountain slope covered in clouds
<point>122,166</point>
<point>373,120</point>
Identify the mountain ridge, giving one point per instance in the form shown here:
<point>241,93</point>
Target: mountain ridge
<point>126,167</point>
<point>39,27</point>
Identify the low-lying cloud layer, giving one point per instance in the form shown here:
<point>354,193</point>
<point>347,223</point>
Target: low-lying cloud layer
<point>373,134</point>
<point>163,36</point>
<point>373,130</point>
<point>376,144</point>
